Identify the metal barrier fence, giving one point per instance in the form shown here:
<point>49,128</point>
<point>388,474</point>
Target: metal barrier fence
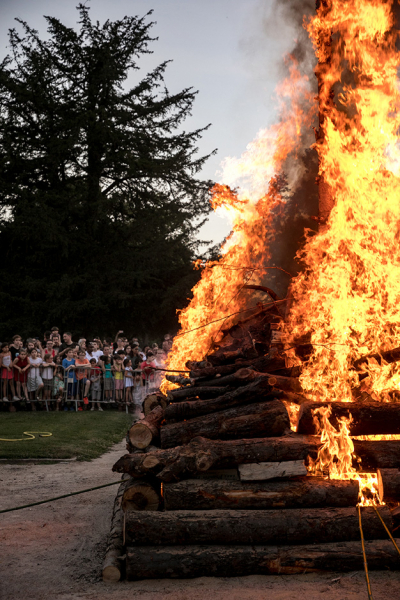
<point>77,386</point>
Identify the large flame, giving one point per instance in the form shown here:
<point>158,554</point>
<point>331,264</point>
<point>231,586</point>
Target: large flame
<point>251,210</point>
<point>346,299</point>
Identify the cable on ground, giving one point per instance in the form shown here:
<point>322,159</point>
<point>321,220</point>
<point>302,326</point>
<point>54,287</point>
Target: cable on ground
<point>98,487</point>
<point>364,555</point>
<point>30,436</point>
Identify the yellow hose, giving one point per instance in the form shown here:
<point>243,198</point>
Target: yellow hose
<point>30,436</point>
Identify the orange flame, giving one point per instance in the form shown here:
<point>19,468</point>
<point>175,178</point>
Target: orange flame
<point>345,300</point>
<point>251,211</point>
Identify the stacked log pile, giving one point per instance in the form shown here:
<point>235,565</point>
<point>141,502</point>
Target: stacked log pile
<point>219,481</point>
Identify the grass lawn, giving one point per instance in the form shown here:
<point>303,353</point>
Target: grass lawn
<point>85,435</point>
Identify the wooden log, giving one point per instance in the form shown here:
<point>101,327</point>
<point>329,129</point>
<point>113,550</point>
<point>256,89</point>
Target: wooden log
<point>241,376</point>
<point>141,495</point>
<point>193,392</point>
<point>294,526</point>
<point>271,470</point>
<point>305,492</point>
<point>380,453</point>
<point>390,356</point>
<point>179,379</point>
<point>186,562</point>
<point>210,372</point>
<point>256,391</point>
<point>142,433</point>
<point>369,418</point>
<point>113,565</point>
<point>202,454</point>
<point>222,358</point>
<point>389,485</point>
<point>253,420</point>
<point>153,400</point>
<point>290,384</point>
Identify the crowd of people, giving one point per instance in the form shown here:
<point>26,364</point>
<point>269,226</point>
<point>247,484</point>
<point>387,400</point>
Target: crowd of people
<point>51,374</point>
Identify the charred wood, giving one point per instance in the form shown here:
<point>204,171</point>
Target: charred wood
<point>304,492</point>
<point>193,392</point>
<point>253,420</point>
<point>294,526</point>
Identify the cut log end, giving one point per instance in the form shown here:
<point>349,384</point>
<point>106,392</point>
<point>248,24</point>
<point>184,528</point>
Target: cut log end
<point>140,436</point>
<point>140,496</point>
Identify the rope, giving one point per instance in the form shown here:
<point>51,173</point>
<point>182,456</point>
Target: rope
<point>59,497</point>
<point>30,436</point>
<point>364,556</point>
<point>387,530</point>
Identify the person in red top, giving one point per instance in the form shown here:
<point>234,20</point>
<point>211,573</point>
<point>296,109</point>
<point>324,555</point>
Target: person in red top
<point>21,366</point>
<point>82,375</point>
<point>147,368</point>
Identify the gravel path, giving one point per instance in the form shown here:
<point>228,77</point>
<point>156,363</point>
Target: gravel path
<point>56,550</point>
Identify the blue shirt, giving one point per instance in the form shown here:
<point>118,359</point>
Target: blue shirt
<point>69,374</point>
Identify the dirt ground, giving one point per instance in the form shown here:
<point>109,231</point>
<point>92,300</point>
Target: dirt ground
<point>56,550</point>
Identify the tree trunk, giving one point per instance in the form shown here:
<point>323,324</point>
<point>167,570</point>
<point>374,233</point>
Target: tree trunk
<point>307,492</point>
<point>192,392</point>
<point>236,561</point>
<point>241,376</point>
<point>375,454</point>
<point>201,454</point>
<point>141,495</point>
<point>254,420</point>
<point>113,565</point>
<point>272,470</point>
<point>257,390</point>
<point>369,418</point>
<point>294,526</point>
<point>389,485</point>
<point>142,433</point>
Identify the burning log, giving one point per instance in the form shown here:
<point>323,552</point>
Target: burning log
<point>141,495</point>
<point>271,470</point>
<point>389,485</point>
<point>201,455</point>
<point>377,453</point>
<point>390,356</point>
<point>254,420</point>
<point>192,392</point>
<point>179,379</point>
<point>307,492</point>
<point>223,358</point>
<point>295,526</point>
<point>257,390</point>
<point>113,565</point>
<point>142,433</point>
<point>369,418</point>
<point>289,384</point>
<point>144,562</point>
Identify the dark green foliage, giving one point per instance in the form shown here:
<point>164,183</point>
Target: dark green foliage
<point>99,197</point>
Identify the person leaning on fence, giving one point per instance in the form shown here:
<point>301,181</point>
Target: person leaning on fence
<point>7,375</point>
<point>95,383</point>
<point>147,368</point>
<point>82,376</point>
<point>21,367</point>
<point>118,370</point>
<point>68,364</point>
<point>58,382</point>
<point>128,380</point>
<point>106,363</point>
<point>34,383</point>
<point>48,366</point>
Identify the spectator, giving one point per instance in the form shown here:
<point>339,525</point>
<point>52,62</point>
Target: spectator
<point>118,344</point>
<point>55,338</point>
<point>58,382</point>
<point>147,368</point>
<point>47,376</point>
<point>7,375</point>
<point>107,366</point>
<point>128,380</point>
<point>82,376</point>
<point>95,382</point>
<point>15,346</point>
<point>68,364</point>
<point>67,344</point>
<point>34,383</point>
<point>46,336</point>
<point>21,366</point>
<point>55,332</point>
<point>49,349</point>
<point>118,370</point>
<point>30,344</point>
<point>96,351</point>
<point>136,358</point>
<point>82,344</point>
<point>167,343</point>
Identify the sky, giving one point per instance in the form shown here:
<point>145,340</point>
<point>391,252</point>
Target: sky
<point>228,50</point>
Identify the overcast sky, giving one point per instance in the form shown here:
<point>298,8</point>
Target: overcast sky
<point>228,50</point>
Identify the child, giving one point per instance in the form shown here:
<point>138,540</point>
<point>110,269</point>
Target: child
<point>82,375</point>
<point>35,383</point>
<point>47,376</point>
<point>108,378</point>
<point>137,397</point>
<point>118,379</point>
<point>69,376</point>
<point>95,382</point>
<point>21,367</point>
<point>148,367</point>
<point>7,374</point>
<point>58,382</point>
<point>128,380</point>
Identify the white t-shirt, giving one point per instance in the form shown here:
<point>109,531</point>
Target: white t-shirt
<point>47,372</point>
<point>34,371</point>
<point>95,355</point>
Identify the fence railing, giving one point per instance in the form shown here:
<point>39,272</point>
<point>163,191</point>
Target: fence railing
<point>77,385</point>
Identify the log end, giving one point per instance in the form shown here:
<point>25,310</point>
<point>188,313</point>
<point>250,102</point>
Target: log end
<point>140,436</point>
<point>111,573</point>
